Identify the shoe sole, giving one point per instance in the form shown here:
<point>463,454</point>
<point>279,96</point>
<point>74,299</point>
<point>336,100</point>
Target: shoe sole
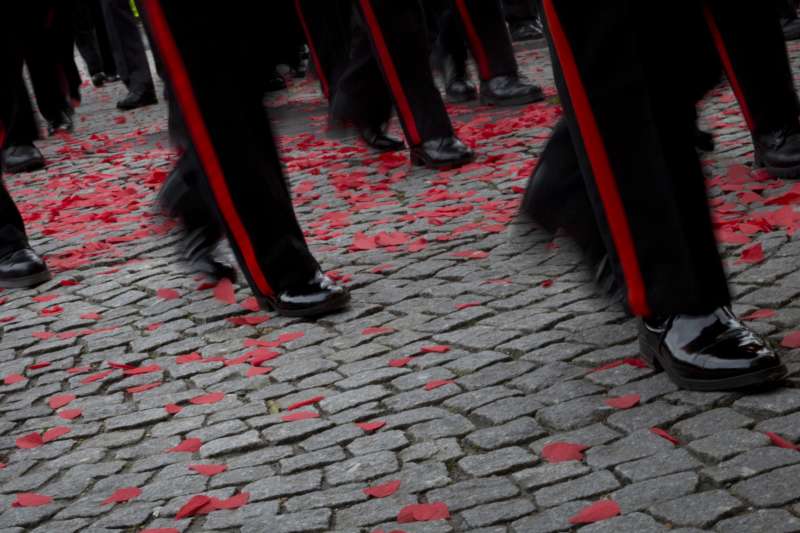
<point>422,161</point>
<point>508,102</point>
<point>764,376</point>
<point>779,172</point>
<point>26,282</point>
<point>28,167</point>
<point>310,312</point>
<point>461,99</point>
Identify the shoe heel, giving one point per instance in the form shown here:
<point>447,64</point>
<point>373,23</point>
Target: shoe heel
<point>417,160</point>
<point>648,355</point>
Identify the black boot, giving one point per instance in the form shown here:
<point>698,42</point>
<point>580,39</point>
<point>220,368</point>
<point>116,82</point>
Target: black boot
<point>22,268</point>
<point>709,352</point>
<point>508,91</point>
<point>318,296</point>
<point>22,158</point>
<point>457,85</point>
<point>99,79</point>
<point>137,99</point>
<point>778,151</point>
<point>791,28</point>
<point>376,137</point>
<point>444,152</point>
<point>703,140</point>
<point>62,123</point>
<point>525,30</point>
<point>274,82</point>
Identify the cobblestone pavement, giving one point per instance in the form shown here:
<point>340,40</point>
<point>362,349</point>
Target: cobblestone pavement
<point>473,342</point>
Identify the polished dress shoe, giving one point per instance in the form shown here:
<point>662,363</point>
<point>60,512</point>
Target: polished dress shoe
<point>525,30</point>
<point>778,151</point>
<point>22,268</point>
<point>710,352</point>
<point>274,82</point>
<point>703,140</point>
<point>63,123</point>
<point>460,89</point>
<point>112,78</point>
<point>197,250</point>
<point>509,90</point>
<point>319,296</point>
<point>137,99</point>
<point>376,137</point>
<point>443,152</point>
<point>99,79</point>
<point>22,158</point>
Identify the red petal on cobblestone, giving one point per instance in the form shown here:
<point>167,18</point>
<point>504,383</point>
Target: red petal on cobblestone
<point>471,254</point>
<point>423,512</point>
<point>624,402</point>
<point>209,470</point>
<point>380,269</point>
<point>44,298</point>
<point>54,433</point>
<point>546,283</point>
<point>752,255</point>
<point>79,369</point>
<point>13,378</point>
<point>173,408</point>
<point>52,310</point>
<point>60,400</point>
<point>187,446</point>
<point>383,490</point>
<point>759,314</point>
<point>418,245</point>
<point>377,330</point>
<point>247,320</point>
<point>402,361</point>
<point>251,304</point>
<point>203,399</point>
<point>70,414</point>
<point>435,348</point>
<point>120,366</point>
<point>168,294</point>
<point>436,383</point>
<point>664,435</point>
<point>792,340</point>
<point>122,495</point>
<point>68,283</point>
<point>467,305</point>
<point>602,510</point>
<point>258,371</point>
<point>43,335</point>
<point>142,388</point>
<point>371,426</point>
<point>779,441</point>
<point>37,366</point>
<point>289,337</point>
<point>558,452</point>
<point>630,361</point>
<point>363,242</point>
<point>154,326</point>
<point>31,499</point>
<point>299,415</point>
<point>30,441</point>
<point>90,316</point>
<point>139,370</point>
<point>234,502</point>
<point>188,358</point>
<point>224,292</point>
<point>191,507</point>
<point>303,403</point>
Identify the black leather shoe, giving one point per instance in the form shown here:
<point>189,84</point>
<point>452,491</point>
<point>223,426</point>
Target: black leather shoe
<point>22,268</point>
<point>460,89</point>
<point>112,78</point>
<point>62,123</point>
<point>136,100</point>
<point>319,296</point>
<point>525,30</point>
<point>23,158</point>
<point>703,140</point>
<point>274,82</point>
<point>99,79</point>
<point>197,247</point>
<point>791,28</point>
<point>509,90</point>
<point>778,151</point>
<point>709,352</point>
<point>444,152</point>
<point>377,138</point>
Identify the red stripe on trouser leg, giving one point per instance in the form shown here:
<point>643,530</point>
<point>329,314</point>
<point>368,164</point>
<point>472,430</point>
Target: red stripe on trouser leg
<point>323,81</point>
<point>478,51</point>
<point>727,64</point>
<point>403,107</point>
<point>198,132</point>
<point>601,167</point>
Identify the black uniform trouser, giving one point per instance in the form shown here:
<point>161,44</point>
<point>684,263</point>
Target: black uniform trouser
<point>91,38</point>
<point>127,46</point>
<point>520,9</point>
<point>233,144</point>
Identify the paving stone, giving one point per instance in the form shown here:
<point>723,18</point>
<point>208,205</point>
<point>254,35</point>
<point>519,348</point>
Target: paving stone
<point>660,464</point>
<point>472,400</point>
<point>635,446</point>
<point>710,422</point>
<point>292,431</point>
<point>315,459</point>
<point>643,494</point>
<point>629,523</point>
<point>773,403</point>
<point>655,414</point>
<point>485,515</point>
<point>381,441</point>
<point>701,510</point>
<point>573,414</point>
<point>341,495</point>
<point>751,463</point>
<point>496,461</point>
<point>773,520</point>
<point>548,474</point>
<point>235,443</point>
<point>770,489</point>
<point>437,450</point>
<point>787,426</point>
<point>583,487</point>
<point>469,493</point>
<point>516,431</point>
<point>593,435</point>
<point>331,437</point>
<point>314,520</point>
<point>448,426</point>
<point>361,468</point>
<point>549,520</point>
<point>349,399</point>
<point>373,511</point>
<point>279,486</point>
<point>726,444</point>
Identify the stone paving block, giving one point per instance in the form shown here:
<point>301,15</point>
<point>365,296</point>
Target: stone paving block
<point>507,409</point>
<point>472,400</point>
<point>514,432</point>
<point>549,520</point>
<point>770,489</point>
<point>361,468</point>
<point>700,510</point>
<point>234,443</point>
<point>643,494</point>
<point>496,461</point>
<point>773,520</point>
<point>437,450</point>
<point>469,493</point>
<point>635,446</point>
<point>280,486</point>
<point>751,463</point>
<point>338,496</point>
<point>448,426</point>
<point>655,414</point>
<point>587,486</point>
<point>492,513</point>
<point>314,520</point>
<point>787,426</point>
<point>292,431</point>
<point>318,458</point>
<point>660,464</point>
<point>381,441</point>
<point>710,422</point>
<point>573,414</point>
<point>774,403</point>
<point>629,523</point>
<point>548,474</point>
<point>593,435</point>
<point>373,511</point>
<point>726,444</point>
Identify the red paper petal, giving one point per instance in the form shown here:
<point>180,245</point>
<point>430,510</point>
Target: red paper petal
<point>188,446</point>
<point>168,294</point>
<point>173,408</point>
<point>224,292</point>
<point>602,510</point>
<point>13,378</point>
<point>377,331</point>
<point>70,414</point>
<point>760,314</point>
<point>204,399</point>
<point>191,507</point>
<point>436,383</point>
<point>289,337</point>
<point>436,348</point>
<point>303,403</point>
<point>557,452</point>
<point>37,366</point>
<point>467,305</point>
<point>423,512</point>
<point>143,388</point>
<point>60,400</point>
<point>96,377</point>
<point>209,470</point>
<point>792,340</point>
<point>29,441</point>
<point>188,358</point>
<point>664,435</point>
<point>67,282</point>
<point>402,361</point>
<point>752,255</point>
<point>31,499</point>
<point>258,370</point>
<point>234,502</point>
<point>251,304</point>
<point>52,310</point>
<point>779,441</point>
<point>624,402</point>
<point>53,434</point>
<point>299,415</point>
<point>383,490</point>
<point>90,316</point>
<point>371,426</point>
<point>139,370</point>
<point>123,495</point>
